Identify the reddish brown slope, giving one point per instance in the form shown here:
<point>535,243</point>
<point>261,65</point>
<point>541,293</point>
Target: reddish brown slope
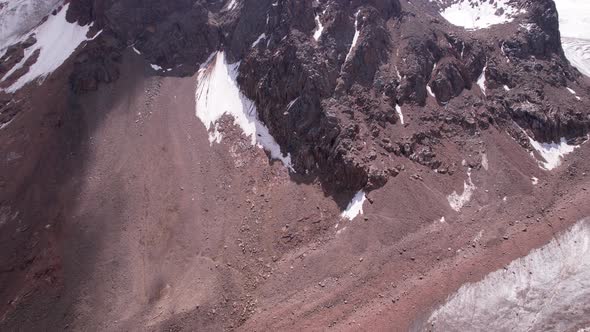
<point>151,228</point>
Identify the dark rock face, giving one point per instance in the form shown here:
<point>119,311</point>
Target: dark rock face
<point>82,11</point>
<point>387,8</point>
<point>371,50</point>
<point>165,31</point>
<point>331,104</point>
<point>302,89</point>
<point>96,64</point>
<point>246,24</point>
<point>539,35</point>
<point>449,81</point>
<point>418,55</point>
<point>546,39</point>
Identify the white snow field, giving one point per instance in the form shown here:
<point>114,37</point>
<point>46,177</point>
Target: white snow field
<point>574,25</point>
<point>19,17</point>
<point>574,18</point>
<point>355,207</point>
<point>577,51</point>
<point>479,14</point>
<point>218,94</point>
<point>552,153</point>
<point>547,290</point>
<point>57,39</point>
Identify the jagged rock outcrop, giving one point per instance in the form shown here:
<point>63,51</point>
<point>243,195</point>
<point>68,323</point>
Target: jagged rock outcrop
<point>327,76</point>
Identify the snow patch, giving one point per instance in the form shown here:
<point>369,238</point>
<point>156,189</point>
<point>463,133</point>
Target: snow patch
<point>232,5</point>
<point>5,124</point>
<point>320,27</point>
<point>357,32</point>
<point>289,105</point>
<point>96,35</point>
<point>156,67</point>
<point>484,162</point>
<point>57,39</point>
<point>398,110</point>
<point>534,180</point>
<point>573,93</point>
<point>457,201</point>
<point>481,81</point>
<point>533,293</point>
<point>480,14</point>
<point>218,94</point>
<point>136,50</point>
<point>355,207</point>
<point>552,153</point>
<point>506,88</point>
<point>261,37</point>
<point>429,89</point>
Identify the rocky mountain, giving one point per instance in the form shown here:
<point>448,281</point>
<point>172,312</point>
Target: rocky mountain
<point>182,165</point>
